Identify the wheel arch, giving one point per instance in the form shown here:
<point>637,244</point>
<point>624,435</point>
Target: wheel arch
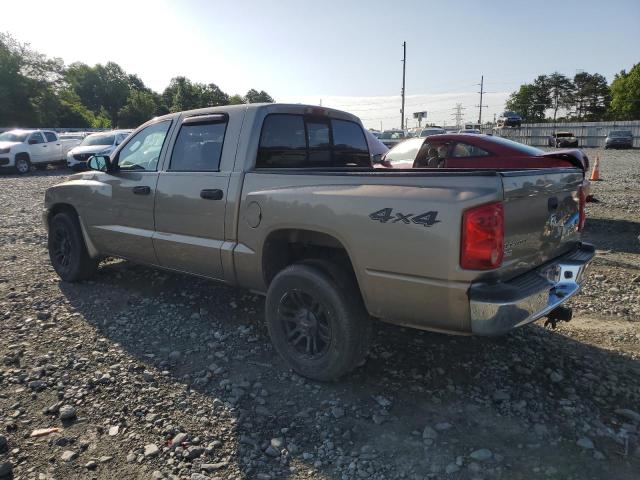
<point>284,247</point>
<point>62,207</point>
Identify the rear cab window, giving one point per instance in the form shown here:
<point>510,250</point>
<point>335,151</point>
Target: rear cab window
<point>298,141</point>
<point>198,147</point>
<point>51,137</point>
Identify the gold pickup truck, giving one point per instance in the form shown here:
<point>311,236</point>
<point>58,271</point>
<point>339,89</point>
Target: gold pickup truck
<point>283,200</point>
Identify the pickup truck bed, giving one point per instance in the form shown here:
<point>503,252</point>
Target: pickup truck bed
<point>451,250</point>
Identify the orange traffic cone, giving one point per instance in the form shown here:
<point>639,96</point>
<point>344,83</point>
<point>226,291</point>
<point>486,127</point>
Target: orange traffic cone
<point>595,173</point>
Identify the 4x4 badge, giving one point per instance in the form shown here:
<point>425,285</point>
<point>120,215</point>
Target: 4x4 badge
<point>386,215</point>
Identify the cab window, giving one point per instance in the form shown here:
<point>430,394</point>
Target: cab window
<point>298,141</point>
<point>141,153</point>
<point>51,137</point>
<point>198,147</point>
<point>36,138</point>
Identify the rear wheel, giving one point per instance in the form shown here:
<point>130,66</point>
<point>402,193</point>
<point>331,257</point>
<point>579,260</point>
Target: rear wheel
<point>316,321</point>
<point>67,250</point>
<point>23,164</point>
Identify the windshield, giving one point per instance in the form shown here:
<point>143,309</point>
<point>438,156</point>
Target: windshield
<point>431,131</point>
<point>98,139</point>
<point>526,149</point>
<point>391,135</point>
<point>405,151</point>
<point>620,133</point>
<point>564,134</point>
<point>13,136</point>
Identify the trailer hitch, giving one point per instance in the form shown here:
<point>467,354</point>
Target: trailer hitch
<point>559,314</point>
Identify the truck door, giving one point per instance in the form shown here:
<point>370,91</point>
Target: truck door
<point>54,147</point>
<point>120,220</point>
<point>191,197</point>
<point>37,148</point>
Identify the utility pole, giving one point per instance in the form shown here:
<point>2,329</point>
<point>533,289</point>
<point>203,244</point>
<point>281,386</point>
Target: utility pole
<point>457,116</point>
<point>404,67</point>
<point>480,106</point>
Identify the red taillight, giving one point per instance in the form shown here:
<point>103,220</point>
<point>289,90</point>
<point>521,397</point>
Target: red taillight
<point>582,217</point>
<point>482,246</point>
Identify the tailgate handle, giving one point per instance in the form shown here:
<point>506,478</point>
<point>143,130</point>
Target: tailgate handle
<point>211,194</point>
<point>552,204</point>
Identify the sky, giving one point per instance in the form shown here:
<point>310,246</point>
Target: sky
<point>345,54</point>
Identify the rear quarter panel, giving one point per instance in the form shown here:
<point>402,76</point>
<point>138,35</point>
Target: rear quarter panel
<point>408,273</point>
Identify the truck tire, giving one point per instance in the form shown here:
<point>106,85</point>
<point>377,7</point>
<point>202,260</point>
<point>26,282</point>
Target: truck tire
<point>317,320</point>
<point>23,164</point>
<point>67,250</point>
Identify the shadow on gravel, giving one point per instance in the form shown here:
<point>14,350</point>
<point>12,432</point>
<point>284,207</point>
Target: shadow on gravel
<point>527,396</point>
<point>613,234</point>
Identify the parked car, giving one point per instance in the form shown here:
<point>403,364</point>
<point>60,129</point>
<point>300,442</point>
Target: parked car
<point>102,143</point>
<point>377,149</point>
<point>509,119</point>
<point>20,149</point>
<point>392,137</point>
<point>432,131</point>
<point>478,151</point>
<point>282,200</point>
<point>619,139</point>
<point>563,140</point>
<point>470,130</point>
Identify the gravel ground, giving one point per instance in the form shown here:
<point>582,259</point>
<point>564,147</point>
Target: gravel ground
<point>147,374</point>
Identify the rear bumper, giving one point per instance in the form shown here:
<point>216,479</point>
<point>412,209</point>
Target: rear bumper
<point>495,309</point>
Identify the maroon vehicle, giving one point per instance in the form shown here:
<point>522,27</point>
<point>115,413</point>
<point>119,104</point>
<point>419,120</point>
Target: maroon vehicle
<point>477,151</point>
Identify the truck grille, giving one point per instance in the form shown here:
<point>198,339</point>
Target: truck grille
<point>83,157</point>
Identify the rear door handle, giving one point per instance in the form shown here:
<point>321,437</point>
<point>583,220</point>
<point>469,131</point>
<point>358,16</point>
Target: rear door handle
<point>142,190</point>
<point>211,194</point>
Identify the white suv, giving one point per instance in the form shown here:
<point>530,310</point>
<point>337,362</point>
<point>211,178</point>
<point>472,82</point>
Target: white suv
<point>102,143</point>
<point>20,149</point>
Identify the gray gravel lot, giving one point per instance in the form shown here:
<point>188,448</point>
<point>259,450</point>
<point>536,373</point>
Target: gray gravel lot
<point>148,374</point>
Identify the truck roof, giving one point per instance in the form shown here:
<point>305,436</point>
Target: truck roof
<point>295,108</point>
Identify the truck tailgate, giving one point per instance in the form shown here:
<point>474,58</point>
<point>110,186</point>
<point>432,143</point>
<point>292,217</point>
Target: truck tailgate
<point>541,216</point>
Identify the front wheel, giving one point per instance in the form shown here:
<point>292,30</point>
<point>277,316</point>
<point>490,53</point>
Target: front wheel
<point>67,250</point>
<point>23,165</point>
<point>317,323</point>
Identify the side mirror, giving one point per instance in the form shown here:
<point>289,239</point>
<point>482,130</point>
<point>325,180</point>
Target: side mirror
<point>378,158</point>
<point>100,163</point>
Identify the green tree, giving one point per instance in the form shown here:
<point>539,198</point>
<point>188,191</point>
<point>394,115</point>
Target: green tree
<point>212,96</point>
<point>140,107</point>
<point>530,101</point>
<point>592,96</point>
<point>102,86</point>
<point>253,96</point>
<point>27,84</point>
<point>625,95</point>
<point>71,112</point>
<point>236,99</point>
<point>560,91</point>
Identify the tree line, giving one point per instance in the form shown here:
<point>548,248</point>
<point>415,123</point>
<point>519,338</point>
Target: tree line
<point>585,97</point>
<point>37,91</point>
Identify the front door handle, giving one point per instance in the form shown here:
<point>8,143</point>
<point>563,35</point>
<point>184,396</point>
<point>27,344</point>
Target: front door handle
<point>211,194</point>
<point>142,190</point>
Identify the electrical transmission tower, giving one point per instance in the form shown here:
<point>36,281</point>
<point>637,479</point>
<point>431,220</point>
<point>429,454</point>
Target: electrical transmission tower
<point>457,115</point>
